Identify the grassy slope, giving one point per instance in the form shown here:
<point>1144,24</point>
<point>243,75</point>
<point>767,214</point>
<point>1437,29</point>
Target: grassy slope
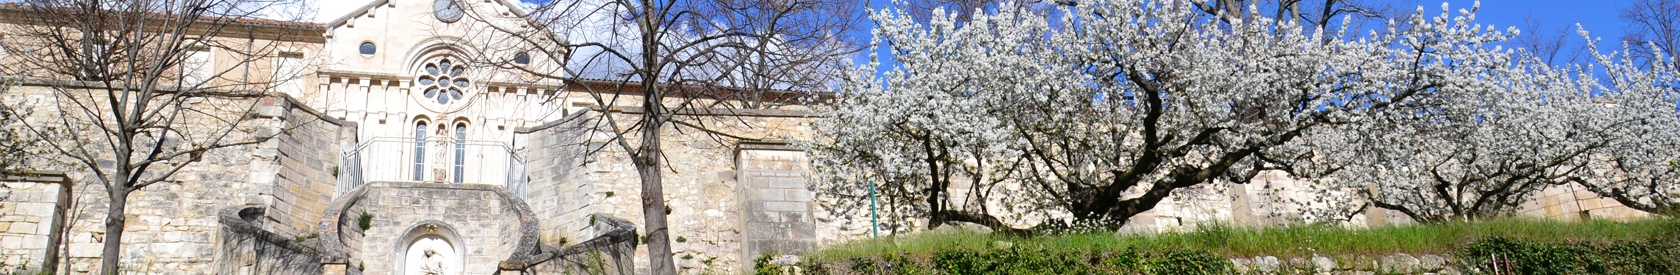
<point>1281,241</point>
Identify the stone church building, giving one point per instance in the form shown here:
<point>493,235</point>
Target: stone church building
<point>402,155</point>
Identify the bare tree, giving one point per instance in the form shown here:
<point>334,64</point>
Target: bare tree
<point>678,62</point>
<point>1652,23</point>
<point>922,10</point>
<point>1550,46</point>
<point>134,86</point>
<point>1312,14</point>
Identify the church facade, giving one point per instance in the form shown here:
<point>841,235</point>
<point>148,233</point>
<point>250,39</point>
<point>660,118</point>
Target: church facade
<point>401,152</point>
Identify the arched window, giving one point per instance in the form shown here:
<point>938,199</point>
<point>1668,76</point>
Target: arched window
<point>419,150</point>
<point>460,151</point>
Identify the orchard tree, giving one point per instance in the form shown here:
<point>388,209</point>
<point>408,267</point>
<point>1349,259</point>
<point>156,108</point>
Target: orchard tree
<point>1112,106</point>
<point>1478,155</point>
<point>1640,168</point>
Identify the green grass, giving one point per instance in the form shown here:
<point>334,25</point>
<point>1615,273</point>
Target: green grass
<point>1301,240</point>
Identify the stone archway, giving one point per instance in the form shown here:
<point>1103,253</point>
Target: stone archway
<point>430,248</point>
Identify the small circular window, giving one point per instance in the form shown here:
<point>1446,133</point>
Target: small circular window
<point>522,59</point>
<point>368,49</point>
<point>443,82</point>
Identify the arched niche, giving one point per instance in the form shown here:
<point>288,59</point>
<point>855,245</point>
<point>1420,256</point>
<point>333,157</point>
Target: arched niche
<point>429,247</point>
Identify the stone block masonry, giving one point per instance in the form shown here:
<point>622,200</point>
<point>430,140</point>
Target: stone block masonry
<point>776,204</point>
<point>26,215</point>
<point>561,189</point>
<point>172,226</point>
<point>482,222</point>
<point>305,167</point>
<point>248,250</point>
<point>576,172</point>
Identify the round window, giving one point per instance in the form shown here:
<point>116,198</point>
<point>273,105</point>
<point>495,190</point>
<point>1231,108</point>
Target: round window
<point>368,49</point>
<point>522,59</point>
<point>443,82</point>
<point>448,11</point>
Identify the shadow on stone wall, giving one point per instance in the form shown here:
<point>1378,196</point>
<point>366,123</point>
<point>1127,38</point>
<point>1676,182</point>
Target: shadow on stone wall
<point>247,249</point>
<point>613,252</point>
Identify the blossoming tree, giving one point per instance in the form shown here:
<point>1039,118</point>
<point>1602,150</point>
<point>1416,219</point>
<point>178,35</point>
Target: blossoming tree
<point>1098,111</point>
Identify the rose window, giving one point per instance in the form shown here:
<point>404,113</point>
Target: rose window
<point>443,81</point>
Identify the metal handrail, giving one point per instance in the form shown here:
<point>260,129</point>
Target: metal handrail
<point>496,163</point>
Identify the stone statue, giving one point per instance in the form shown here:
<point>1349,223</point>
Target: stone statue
<point>432,264</point>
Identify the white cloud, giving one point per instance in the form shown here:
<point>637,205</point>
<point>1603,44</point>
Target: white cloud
<point>329,10</point>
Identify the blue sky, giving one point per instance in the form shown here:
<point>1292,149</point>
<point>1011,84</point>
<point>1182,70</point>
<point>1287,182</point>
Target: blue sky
<point>1599,17</point>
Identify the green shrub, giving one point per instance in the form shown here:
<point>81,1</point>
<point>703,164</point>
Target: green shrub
<point>1041,261</point>
<point>365,221</point>
<point>964,262</point>
<point>862,265</point>
<point>906,266</point>
<point>762,266</point>
<point>1653,257</point>
<point>810,266</point>
<point>1187,262</point>
<point>1526,257</point>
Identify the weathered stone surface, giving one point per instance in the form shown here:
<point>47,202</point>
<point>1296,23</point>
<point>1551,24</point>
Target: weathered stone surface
<point>1267,264</point>
<point>1432,262</point>
<point>1323,264</point>
<point>247,249</point>
<point>613,252</point>
<point>1398,263</point>
<point>1242,265</point>
<point>484,223</point>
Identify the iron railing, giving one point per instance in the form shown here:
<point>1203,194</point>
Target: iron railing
<point>434,159</point>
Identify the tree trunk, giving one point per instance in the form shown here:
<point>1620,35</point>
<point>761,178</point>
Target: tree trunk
<point>648,162</point>
<point>114,222</point>
<point>653,207</point>
<point>649,156</point>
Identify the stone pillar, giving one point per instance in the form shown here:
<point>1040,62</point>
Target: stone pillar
<point>1242,205</point>
<point>776,203</point>
<point>1375,216</point>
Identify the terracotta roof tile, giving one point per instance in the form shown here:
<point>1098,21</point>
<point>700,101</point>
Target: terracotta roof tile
<point>248,21</point>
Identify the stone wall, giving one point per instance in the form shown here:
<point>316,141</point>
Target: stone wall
<point>26,216</point>
<point>561,189</point>
<point>700,183</point>
<point>482,221</point>
<point>1573,202</point>
<point>305,166</point>
<point>248,250</point>
<point>1397,263</point>
<point>776,203</point>
<point>172,225</point>
<point>612,252</point>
